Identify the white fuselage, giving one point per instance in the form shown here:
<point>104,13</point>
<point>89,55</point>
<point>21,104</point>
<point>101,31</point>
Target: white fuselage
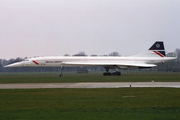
<point>121,62</point>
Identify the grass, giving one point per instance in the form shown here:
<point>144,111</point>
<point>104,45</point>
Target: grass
<point>90,104</point>
<point>90,77</point>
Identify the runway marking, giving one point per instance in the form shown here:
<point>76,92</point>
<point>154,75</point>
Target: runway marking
<point>89,85</point>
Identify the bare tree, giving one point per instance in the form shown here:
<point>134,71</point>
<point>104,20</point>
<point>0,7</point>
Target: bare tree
<point>177,53</point>
<point>104,55</point>
<point>171,54</point>
<point>114,54</point>
<point>80,54</point>
<point>66,55</point>
<point>94,55</point>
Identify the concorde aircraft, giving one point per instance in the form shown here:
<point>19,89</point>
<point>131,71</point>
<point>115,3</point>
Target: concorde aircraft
<point>147,59</point>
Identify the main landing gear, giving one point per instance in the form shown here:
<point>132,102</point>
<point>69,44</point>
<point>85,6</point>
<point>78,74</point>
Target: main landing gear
<point>117,73</point>
<point>107,73</point>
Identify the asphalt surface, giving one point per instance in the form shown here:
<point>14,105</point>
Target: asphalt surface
<point>89,85</point>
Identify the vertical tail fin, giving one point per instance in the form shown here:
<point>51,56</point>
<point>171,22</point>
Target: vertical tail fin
<point>156,50</point>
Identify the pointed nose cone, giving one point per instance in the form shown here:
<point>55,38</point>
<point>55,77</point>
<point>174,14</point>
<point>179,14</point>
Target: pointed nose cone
<point>18,64</point>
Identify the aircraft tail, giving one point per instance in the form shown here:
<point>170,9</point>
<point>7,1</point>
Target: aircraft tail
<point>156,50</point>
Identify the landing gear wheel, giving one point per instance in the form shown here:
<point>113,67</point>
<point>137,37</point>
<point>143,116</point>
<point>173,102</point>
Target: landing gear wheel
<point>116,73</point>
<point>107,74</point>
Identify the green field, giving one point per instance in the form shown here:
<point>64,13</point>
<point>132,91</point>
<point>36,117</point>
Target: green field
<point>90,77</point>
<point>89,104</point>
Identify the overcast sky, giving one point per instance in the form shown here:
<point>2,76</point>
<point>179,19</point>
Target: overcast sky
<point>57,27</point>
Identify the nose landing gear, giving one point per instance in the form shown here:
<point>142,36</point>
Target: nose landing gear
<point>61,69</point>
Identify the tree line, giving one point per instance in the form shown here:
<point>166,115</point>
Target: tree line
<point>170,66</point>
<point>173,65</point>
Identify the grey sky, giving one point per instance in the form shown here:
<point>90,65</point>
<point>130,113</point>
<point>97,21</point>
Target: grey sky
<point>56,27</point>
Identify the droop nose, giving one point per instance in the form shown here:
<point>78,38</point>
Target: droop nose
<point>18,64</point>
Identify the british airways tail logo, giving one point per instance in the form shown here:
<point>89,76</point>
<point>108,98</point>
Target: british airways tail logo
<point>160,53</point>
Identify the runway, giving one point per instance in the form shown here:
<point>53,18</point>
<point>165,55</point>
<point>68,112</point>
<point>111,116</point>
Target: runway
<point>89,85</point>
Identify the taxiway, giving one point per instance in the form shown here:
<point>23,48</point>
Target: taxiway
<point>89,85</point>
